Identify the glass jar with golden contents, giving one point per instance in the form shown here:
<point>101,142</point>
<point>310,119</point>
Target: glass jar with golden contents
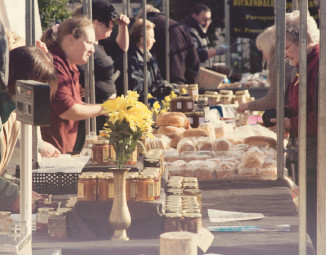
<point>5,222</point>
<point>105,183</point>
<point>87,187</point>
<point>57,225</point>
<point>183,89</point>
<point>173,222</point>
<point>145,188</point>
<point>192,222</point>
<point>195,193</point>
<point>131,185</point>
<point>42,217</point>
<point>187,103</point>
<point>193,91</point>
<point>100,152</point>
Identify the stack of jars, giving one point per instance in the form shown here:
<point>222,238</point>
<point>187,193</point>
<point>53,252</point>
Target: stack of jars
<point>183,205</point>
<point>52,222</point>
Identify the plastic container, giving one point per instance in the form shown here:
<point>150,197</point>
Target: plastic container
<point>57,225</point>
<point>193,91</point>
<point>205,170</point>
<point>5,222</point>
<point>87,187</point>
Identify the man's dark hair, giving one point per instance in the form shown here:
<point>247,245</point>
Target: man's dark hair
<point>198,8</point>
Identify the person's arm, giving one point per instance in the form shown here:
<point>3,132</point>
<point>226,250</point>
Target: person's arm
<point>123,34</point>
<point>82,112</point>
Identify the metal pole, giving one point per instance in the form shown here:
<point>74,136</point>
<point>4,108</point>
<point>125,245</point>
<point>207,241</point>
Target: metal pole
<point>280,58</point>
<point>145,54</point>
<point>125,54</point>
<point>302,124</point>
<point>167,40</point>
<point>294,5</point>
<point>26,177</point>
<point>321,146</point>
<point>227,31</point>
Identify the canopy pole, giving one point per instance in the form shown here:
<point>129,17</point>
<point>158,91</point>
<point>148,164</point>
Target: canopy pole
<point>167,40</point>
<point>227,31</point>
<point>145,54</point>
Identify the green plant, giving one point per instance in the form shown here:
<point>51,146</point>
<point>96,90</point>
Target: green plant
<point>53,10</point>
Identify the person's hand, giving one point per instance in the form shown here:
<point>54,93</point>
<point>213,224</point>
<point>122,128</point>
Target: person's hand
<point>49,151</point>
<point>42,46</point>
<point>287,123</point>
<point>242,107</point>
<point>123,20</point>
<point>221,50</point>
<point>81,91</point>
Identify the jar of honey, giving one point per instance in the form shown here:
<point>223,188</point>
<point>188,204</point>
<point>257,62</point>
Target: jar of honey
<point>192,222</point>
<point>145,188</point>
<point>193,91</point>
<point>173,222</point>
<point>57,225</point>
<point>176,104</point>
<point>195,193</point>
<point>87,187</point>
<point>131,185</point>
<point>105,187</point>
<point>100,152</point>
<point>187,103</point>
<point>42,217</point>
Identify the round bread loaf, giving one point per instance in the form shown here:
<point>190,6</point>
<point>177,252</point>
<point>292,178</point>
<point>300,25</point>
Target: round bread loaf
<point>176,119</point>
<point>222,145</point>
<point>261,141</point>
<point>196,132</point>
<point>175,139</point>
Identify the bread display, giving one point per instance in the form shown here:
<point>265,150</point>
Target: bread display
<point>222,144</point>
<point>170,130</point>
<point>209,128</point>
<point>196,132</point>
<point>254,157</point>
<point>244,170</point>
<point>175,139</point>
<point>219,131</point>
<point>176,119</point>
<point>262,141</point>
<point>186,145</point>
<point>204,170</point>
<point>159,142</point>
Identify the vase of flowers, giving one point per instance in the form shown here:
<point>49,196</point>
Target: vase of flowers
<point>127,121</point>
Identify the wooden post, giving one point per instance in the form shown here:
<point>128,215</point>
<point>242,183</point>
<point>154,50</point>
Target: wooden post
<point>178,243</point>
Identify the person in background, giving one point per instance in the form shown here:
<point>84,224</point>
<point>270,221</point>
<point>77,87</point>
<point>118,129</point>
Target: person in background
<point>265,42</point>
<point>197,24</point>
<point>25,63</point>
<point>70,46</point>
<point>184,60</point>
<point>104,15</point>
<point>136,61</point>
<point>292,21</point>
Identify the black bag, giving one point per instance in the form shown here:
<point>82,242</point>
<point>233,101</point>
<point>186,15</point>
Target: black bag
<point>161,88</point>
<point>271,113</point>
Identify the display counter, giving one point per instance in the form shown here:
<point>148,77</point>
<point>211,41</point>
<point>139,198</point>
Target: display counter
<point>272,198</point>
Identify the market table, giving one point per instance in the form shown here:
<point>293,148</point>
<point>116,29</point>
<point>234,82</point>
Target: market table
<point>272,198</point>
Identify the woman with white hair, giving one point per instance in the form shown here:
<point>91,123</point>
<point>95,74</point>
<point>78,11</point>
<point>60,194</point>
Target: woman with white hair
<point>293,53</point>
<point>265,42</point>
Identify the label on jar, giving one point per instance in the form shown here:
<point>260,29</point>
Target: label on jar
<point>81,190</point>
<point>111,190</point>
<point>106,155</point>
<point>201,120</point>
<point>133,190</point>
<point>190,105</point>
<point>179,105</point>
<point>191,120</point>
<point>151,189</point>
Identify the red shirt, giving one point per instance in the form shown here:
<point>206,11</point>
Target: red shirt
<point>312,76</point>
<point>63,133</point>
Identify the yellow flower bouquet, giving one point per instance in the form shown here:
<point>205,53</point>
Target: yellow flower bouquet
<point>127,121</point>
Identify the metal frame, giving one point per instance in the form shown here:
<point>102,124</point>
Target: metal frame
<point>145,53</point>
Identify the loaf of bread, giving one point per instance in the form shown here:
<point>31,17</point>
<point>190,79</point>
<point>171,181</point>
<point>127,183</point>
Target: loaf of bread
<point>254,157</point>
<point>222,144</point>
<point>175,139</point>
<point>204,145</point>
<point>170,130</point>
<point>209,128</point>
<point>196,132</point>
<point>176,119</point>
<point>261,141</point>
<point>185,145</point>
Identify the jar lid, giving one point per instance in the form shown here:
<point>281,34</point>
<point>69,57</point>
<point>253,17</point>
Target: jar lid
<point>192,85</point>
<point>242,92</point>
<point>173,215</point>
<point>45,209</point>
<point>226,92</point>
<point>87,176</point>
<point>146,176</point>
<point>5,213</point>
<point>174,185</point>
<point>190,179</point>
<point>106,176</point>
<point>102,141</point>
<point>211,93</point>
<point>192,215</point>
<point>190,185</point>
<point>192,210</point>
<point>132,175</point>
